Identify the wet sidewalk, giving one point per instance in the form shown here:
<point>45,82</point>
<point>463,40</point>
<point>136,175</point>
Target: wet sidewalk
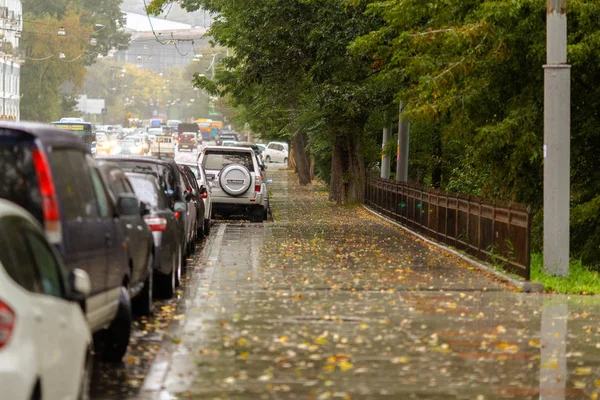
<point>330,302</point>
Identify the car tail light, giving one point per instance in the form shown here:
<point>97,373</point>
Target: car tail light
<point>205,195</point>
<point>156,224</point>
<point>48,194</point>
<point>7,323</point>
<point>177,215</point>
<point>257,188</point>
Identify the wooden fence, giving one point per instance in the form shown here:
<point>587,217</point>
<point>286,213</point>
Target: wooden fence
<point>493,231</point>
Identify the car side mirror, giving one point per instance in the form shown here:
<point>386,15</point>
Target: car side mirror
<point>144,209</point>
<point>128,205</point>
<point>180,206</point>
<point>203,190</point>
<point>80,285</point>
<point>189,196</point>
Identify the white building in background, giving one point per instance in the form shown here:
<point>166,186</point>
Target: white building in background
<point>11,28</point>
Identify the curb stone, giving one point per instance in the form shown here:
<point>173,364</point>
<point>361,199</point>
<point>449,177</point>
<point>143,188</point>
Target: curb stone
<point>524,286</point>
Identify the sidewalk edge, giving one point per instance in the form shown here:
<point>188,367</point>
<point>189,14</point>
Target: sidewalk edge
<point>525,286</point>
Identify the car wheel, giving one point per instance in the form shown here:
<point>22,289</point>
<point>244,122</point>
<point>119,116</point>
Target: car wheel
<point>257,214</point>
<point>142,304</point>
<point>206,226</point>
<point>178,271</point>
<point>86,376</point>
<point>166,283</point>
<point>268,159</point>
<point>116,337</point>
<point>201,230</point>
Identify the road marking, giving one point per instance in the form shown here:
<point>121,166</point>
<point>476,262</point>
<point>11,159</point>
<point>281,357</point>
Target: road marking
<point>215,246</point>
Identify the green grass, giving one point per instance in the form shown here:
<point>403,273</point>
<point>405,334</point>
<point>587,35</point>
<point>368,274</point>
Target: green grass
<point>581,280</point>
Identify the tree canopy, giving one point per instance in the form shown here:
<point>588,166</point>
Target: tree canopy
<point>469,71</point>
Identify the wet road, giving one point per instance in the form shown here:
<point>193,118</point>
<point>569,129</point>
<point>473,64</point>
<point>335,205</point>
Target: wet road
<point>329,302</point>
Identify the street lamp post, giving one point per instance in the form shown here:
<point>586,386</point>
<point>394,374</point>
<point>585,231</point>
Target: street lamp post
<point>557,123</point>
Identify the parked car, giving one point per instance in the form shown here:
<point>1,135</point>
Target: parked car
<point>45,341</point>
<point>166,232</point>
<point>205,194</point>
<point>51,174</point>
<point>139,242</point>
<point>237,184</point>
<point>198,191</point>
<point>276,152</point>
<point>171,183</point>
<point>194,228</point>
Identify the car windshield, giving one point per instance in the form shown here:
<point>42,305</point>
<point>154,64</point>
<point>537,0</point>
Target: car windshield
<point>216,160</point>
<point>128,143</point>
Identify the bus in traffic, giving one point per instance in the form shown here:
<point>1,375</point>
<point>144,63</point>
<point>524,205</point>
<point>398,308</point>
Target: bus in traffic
<point>79,128</point>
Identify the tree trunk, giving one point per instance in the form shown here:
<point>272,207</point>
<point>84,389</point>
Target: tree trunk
<point>348,174</point>
<point>299,142</point>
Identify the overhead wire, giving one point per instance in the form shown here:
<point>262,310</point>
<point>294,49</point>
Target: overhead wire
<point>152,26</point>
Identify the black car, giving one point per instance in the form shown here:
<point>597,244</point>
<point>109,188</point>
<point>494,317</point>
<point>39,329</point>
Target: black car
<point>166,232</point>
<point>52,174</point>
<point>170,181</point>
<point>139,242</point>
<point>197,191</point>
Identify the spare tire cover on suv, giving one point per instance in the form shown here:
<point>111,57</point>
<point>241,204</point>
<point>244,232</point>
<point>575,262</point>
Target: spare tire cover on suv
<point>235,179</point>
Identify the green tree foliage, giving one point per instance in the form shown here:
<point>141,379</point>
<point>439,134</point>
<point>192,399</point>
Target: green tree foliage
<point>291,75</point>
<point>44,76</point>
<point>474,69</point>
<point>44,71</point>
<point>104,16</point>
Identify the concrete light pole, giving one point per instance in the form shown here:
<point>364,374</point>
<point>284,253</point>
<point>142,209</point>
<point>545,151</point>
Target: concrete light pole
<point>402,150</point>
<point>385,159</point>
<point>557,144</point>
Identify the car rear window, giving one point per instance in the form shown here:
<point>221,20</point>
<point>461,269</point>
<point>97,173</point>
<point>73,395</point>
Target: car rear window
<point>18,179</point>
<point>217,160</point>
<point>146,190</point>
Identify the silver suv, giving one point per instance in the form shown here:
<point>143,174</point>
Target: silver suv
<point>235,176</point>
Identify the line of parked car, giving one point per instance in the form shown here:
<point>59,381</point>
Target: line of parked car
<point>84,243</point>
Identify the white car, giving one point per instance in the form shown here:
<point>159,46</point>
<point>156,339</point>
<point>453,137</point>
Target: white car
<point>276,152</point>
<point>45,341</point>
<point>234,176</point>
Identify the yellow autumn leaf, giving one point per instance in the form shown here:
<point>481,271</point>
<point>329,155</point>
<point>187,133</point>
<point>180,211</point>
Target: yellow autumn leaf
<point>400,360</point>
<point>507,347</point>
<point>583,370</point>
<point>283,339</point>
<point>363,326</point>
<point>345,365</point>
<point>534,343</point>
<point>241,342</point>
<point>329,367</point>
<point>321,340</point>
<point>244,355</point>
